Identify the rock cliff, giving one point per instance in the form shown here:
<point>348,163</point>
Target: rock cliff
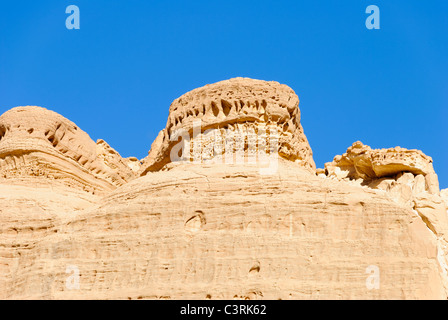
<point>80,222</point>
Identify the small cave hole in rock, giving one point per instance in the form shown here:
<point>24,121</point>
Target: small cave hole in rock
<point>215,109</point>
<point>226,106</point>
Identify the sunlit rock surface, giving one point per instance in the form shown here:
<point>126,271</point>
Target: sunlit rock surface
<point>160,229</point>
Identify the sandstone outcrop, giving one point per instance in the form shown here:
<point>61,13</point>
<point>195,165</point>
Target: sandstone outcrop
<point>239,107</point>
<point>227,233</point>
<point>406,175</point>
<point>370,165</point>
<point>36,142</point>
<point>204,229</point>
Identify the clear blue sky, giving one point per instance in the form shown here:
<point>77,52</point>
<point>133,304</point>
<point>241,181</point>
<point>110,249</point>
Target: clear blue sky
<point>118,74</point>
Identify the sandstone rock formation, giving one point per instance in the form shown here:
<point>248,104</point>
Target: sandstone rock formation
<point>36,142</point>
<point>240,106</point>
<point>406,175</point>
<point>361,162</point>
<point>206,229</point>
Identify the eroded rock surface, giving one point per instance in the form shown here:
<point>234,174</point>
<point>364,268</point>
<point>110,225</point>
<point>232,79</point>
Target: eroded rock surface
<point>370,165</point>
<point>406,176</point>
<point>225,232</point>
<point>200,230</point>
<point>239,107</point>
<point>444,195</point>
<point>39,143</point>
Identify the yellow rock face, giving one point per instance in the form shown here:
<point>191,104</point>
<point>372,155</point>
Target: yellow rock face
<point>238,106</point>
<point>360,161</point>
<point>197,230</point>
<point>36,142</point>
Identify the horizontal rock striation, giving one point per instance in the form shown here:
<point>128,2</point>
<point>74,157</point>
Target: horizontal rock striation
<point>225,232</point>
<point>406,176</point>
<point>203,230</point>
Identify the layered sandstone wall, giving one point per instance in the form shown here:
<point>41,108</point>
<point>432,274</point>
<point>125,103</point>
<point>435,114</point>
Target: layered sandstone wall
<point>204,229</point>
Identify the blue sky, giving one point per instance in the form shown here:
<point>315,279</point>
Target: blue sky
<point>116,76</point>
